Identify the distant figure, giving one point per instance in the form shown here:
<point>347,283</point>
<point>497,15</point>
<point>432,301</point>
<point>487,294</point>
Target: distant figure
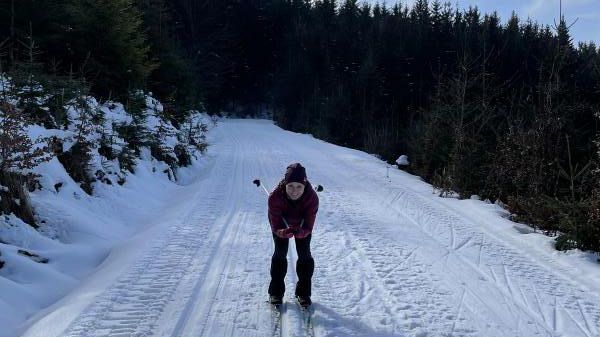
<point>293,207</point>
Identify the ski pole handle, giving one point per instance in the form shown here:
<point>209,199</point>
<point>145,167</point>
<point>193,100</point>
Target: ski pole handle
<point>258,184</point>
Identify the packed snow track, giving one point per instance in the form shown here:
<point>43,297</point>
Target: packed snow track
<point>392,259</point>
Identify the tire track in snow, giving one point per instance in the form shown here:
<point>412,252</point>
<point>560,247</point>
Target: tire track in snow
<point>243,259</point>
<point>132,305</point>
<point>211,275</point>
<point>429,213</point>
<point>508,261</point>
<point>451,267</point>
<point>135,303</point>
<point>416,306</point>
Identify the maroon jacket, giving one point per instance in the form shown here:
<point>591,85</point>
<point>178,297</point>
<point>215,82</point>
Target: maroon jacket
<point>294,212</point>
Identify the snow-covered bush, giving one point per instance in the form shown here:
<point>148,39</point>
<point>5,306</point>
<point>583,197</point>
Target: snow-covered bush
<point>402,160</point>
<point>77,163</point>
<point>14,198</point>
<point>17,150</point>
<point>193,130</point>
<point>18,153</point>
<point>95,143</point>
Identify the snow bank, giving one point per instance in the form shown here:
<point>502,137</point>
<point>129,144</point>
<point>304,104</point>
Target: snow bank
<point>77,230</point>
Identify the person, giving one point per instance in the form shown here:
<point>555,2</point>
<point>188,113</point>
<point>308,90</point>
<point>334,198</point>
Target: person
<point>293,207</point>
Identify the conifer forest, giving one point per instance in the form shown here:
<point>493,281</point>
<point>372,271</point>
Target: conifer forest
<point>504,108</point>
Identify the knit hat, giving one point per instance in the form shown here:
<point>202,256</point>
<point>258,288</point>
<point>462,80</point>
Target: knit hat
<point>295,173</point>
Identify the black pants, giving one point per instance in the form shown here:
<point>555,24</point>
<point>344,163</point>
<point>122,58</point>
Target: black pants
<point>304,267</point>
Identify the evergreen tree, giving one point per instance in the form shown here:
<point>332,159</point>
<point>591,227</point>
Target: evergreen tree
<point>107,45</point>
<point>172,81</point>
<point>17,150</point>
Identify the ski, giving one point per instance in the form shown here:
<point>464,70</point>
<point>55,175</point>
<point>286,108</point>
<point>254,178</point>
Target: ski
<point>276,318</point>
<point>307,313</point>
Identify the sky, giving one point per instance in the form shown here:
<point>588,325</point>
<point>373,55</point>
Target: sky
<point>586,12</point>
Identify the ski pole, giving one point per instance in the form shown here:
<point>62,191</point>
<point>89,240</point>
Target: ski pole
<point>258,184</point>
<point>318,188</point>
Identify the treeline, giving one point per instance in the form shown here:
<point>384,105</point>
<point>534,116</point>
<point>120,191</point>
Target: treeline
<point>115,46</point>
<point>57,57</point>
<point>504,110</point>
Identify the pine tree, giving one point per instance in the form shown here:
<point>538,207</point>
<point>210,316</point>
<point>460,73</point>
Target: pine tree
<point>77,159</point>
<point>107,44</point>
<point>205,29</point>
<point>172,81</point>
<point>17,150</point>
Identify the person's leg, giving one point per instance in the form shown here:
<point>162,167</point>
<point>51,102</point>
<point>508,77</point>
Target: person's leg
<point>304,267</point>
<point>278,266</point>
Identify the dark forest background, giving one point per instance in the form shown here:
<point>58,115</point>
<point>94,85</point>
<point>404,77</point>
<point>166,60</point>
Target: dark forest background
<point>499,107</point>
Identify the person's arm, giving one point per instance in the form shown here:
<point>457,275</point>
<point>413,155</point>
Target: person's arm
<point>310,215</point>
<point>278,226</point>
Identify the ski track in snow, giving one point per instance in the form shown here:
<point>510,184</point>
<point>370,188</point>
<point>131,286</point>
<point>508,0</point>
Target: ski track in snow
<point>390,261</point>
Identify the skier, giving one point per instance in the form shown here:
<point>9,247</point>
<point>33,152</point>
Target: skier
<point>293,208</point>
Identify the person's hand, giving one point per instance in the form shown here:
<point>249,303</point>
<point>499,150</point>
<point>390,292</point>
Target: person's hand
<point>284,233</point>
<point>301,233</point>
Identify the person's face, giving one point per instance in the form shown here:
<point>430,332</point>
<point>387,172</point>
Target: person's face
<point>294,190</point>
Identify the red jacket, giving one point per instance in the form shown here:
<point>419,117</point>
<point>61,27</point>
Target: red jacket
<point>301,212</point>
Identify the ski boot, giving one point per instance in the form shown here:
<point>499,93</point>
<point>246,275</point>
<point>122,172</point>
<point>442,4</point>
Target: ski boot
<point>304,301</point>
<point>276,300</point>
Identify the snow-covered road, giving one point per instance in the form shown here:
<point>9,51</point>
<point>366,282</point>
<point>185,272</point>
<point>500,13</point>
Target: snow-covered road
<point>392,259</point>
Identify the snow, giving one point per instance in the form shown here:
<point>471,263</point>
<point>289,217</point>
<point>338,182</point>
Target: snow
<point>402,160</point>
<point>77,231</point>
<point>155,258</point>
